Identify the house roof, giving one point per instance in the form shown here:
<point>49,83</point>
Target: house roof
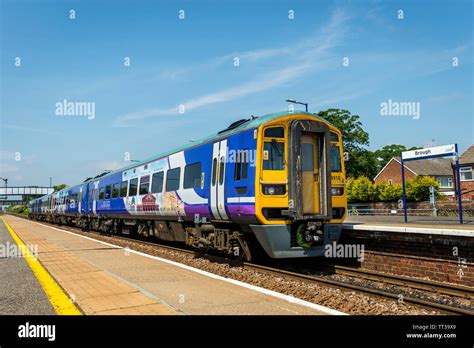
<point>467,156</point>
<point>431,166</point>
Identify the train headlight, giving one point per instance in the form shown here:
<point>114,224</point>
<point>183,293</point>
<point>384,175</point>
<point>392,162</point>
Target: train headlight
<point>272,190</point>
<point>337,191</point>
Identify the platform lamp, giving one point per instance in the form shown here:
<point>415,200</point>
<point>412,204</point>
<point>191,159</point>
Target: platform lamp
<point>297,102</point>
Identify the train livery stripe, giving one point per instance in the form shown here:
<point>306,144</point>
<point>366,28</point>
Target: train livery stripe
<point>241,200</point>
<point>58,298</point>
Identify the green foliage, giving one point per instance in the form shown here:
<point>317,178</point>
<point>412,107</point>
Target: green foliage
<point>418,189</point>
<point>362,163</point>
<point>354,137</point>
<point>389,193</point>
<point>386,153</point>
<point>18,209</point>
<point>363,190</point>
<point>59,187</point>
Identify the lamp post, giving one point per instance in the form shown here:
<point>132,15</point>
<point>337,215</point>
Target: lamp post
<point>297,102</point>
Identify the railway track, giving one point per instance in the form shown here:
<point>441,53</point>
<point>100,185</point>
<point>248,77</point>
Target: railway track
<point>419,284</point>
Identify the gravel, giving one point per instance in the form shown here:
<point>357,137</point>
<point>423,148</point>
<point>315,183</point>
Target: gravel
<point>349,302</point>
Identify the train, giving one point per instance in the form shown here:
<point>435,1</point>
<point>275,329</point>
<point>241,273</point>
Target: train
<point>272,183</point>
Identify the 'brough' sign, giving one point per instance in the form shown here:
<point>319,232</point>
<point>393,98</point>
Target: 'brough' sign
<point>429,152</point>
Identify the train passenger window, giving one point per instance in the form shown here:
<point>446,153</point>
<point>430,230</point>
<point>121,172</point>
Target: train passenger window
<point>101,193</point>
<point>132,190</point>
<point>241,167</point>
<point>157,182</point>
<point>214,170</point>
<point>274,132</point>
<point>221,170</point>
<point>144,185</point>
<point>192,175</point>
<point>334,137</point>
<point>273,155</point>
<point>107,192</point>
<point>123,189</point>
<point>335,159</point>
<point>172,179</point>
<point>115,190</point>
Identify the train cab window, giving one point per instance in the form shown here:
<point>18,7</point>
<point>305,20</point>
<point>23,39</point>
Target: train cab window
<point>335,159</point>
<point>273,155</point>
<point>157,182</point>
<point>144,185</point>
<point>123,189</point>
<point>274,132</point>
<point>132,190</point>
<point>101,193</point>
<point>192,175</point>
<point>107,192</point>
<point>334,137</point>
<point>115,190</point>
<point>172,179</point>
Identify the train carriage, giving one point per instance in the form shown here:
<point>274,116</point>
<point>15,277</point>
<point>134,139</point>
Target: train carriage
<point>275,180</point>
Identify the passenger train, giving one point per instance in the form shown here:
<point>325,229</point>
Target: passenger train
<point>275,182</point>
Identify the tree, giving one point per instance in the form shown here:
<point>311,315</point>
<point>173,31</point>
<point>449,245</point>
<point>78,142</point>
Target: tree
<point>362,163</point>
<point>59,187</point>
<point>354,139</point>
<point>386,153</point>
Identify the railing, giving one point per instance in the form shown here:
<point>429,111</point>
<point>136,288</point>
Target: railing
<point>25,190</point>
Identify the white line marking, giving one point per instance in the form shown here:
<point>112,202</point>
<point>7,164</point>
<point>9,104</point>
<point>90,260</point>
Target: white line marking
<point>402,229</point>
<point>281,296</point>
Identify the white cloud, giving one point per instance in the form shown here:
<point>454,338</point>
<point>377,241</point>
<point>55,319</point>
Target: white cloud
<point>306,55</point>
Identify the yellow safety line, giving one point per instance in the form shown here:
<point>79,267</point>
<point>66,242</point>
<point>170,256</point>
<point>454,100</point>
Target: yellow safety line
<point>58,298</point>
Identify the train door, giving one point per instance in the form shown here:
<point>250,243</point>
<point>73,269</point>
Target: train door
<point>93,197</point>
<point>310,173</point>
<point>219,160</point>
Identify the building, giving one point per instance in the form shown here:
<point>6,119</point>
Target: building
<point>466,165</point>
<point>438,168</point>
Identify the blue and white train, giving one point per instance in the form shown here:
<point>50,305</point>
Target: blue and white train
<point>275,181</point>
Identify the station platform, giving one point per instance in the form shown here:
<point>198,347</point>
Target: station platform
<point>418,224</point>
<point>65,273</point>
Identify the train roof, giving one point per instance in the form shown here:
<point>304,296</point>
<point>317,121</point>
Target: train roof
<point>253,122</point>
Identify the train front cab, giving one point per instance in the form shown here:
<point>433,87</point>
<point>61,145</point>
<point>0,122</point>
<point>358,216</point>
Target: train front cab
<point>300,193</point>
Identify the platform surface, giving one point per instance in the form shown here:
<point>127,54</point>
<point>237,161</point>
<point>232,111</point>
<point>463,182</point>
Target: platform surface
<point>106,279</point>
<point>420,224</point>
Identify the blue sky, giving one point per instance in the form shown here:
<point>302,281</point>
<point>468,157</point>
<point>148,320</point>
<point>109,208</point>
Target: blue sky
<point>190,61</point>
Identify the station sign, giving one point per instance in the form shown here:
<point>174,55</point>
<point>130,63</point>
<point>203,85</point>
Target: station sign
<point>437,151</point>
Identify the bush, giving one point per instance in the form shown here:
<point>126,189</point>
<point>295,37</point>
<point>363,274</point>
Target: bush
<point>389,193</point>
<point>363,190</point>
<point>18,209</point>
<point>418,189</point>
